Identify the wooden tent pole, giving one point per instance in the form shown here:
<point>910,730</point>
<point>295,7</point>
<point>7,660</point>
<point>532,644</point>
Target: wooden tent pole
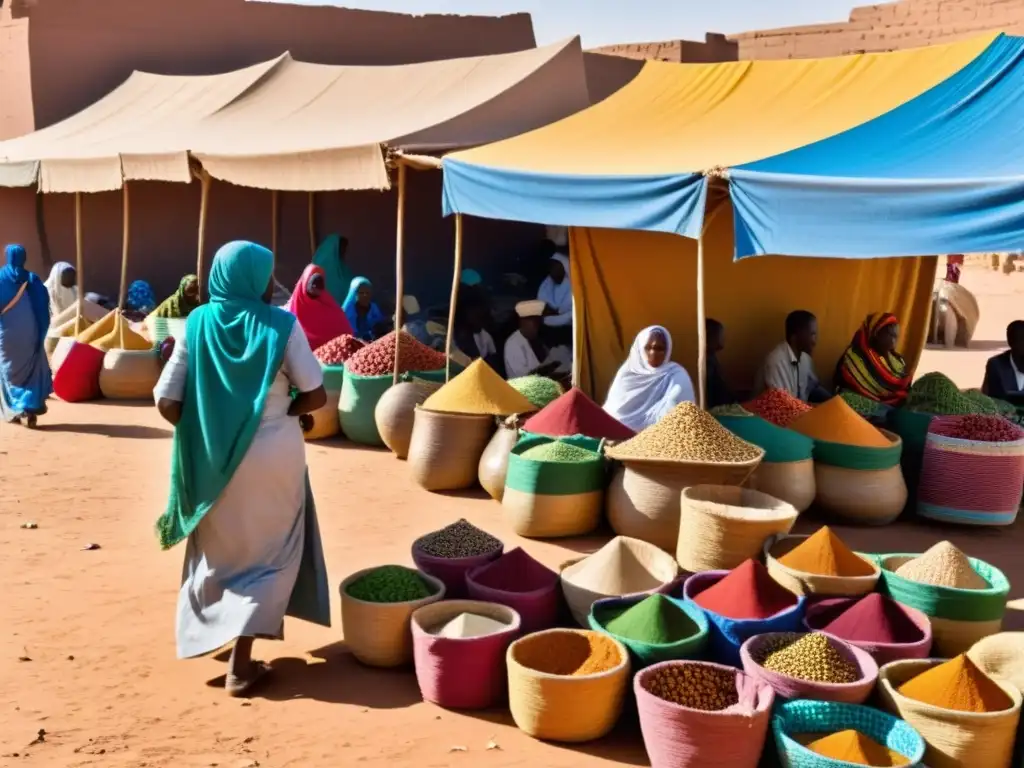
<point>312,224</point>
<point>399,261</point>
<point>125,231</point>
<point>702,342</point>
<point>204,202</point>
<point>456,279</point>
<point>78,263</point>
<point>275,209</point>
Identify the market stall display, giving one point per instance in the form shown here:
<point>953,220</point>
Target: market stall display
<point>819,564</point>
<point>576,414</point>
<point>875,623</point>
<point>451,552</point>
<point>522,583</point>
<point>720,526</point>
<point>654,627</point>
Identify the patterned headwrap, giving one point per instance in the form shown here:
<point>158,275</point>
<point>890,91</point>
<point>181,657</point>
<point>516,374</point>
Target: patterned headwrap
<point>863,370</point>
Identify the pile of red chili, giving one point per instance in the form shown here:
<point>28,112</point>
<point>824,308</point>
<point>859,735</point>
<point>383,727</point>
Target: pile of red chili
<point>980,427</point>
<point>874,619</point>
<point>746,592</point>
<point>576,414</point>
<point>378,358</point>
<point>777,406</point>
<point>338,350</point>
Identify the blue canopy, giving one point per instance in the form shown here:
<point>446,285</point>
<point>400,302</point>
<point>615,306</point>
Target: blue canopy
<point>943,173</point>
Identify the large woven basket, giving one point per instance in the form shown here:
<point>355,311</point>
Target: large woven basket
<point>395,411</point>
<point>567,708</point>
<point>462,673</point>
<point>860,496</point>
<point>452,570</point>
<point>537,605</point>
<point>821,613</point>
<point>493,465</point>
<point>827,717</point>
<point>679,737</point>
<point>720,526</point>
<point>643,499</point>
<point>959,617</point>
<point>791,481</point>
<point>656,570</point>
<point>789,688</point>
<point>954,739</point>
<point>378,634</point>
<point>803,583</point>
<point>1001,655</point>
<point>445,449</point>
<point>129,374</point>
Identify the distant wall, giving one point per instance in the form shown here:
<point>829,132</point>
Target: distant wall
<point>15,76</point>
<point>716,47</point>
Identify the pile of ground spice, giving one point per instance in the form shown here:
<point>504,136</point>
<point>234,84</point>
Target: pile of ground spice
<point>852,746</point>
<point>567,653</point>
<point>458,540</point>
<point>944,565</point>
<point>777,406</point>
<point>576,414</point>
<point>958,685</point>
<point>825,554</point>
<point>812,657</point>
<point>836,422</point>
<point>687,433</point>
<point>655,620</point>
<point>478,390</point>
<point>875,619</point>
<point>746,592</point>
<point>467,625</point>
<point>516,571</point>
<point>560,453</point>
<point>614,569</point>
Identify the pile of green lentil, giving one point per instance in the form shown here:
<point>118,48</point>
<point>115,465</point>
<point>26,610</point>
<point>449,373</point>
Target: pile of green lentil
<point>460,539</point>
<point>937,394</point>
<point>865,406</point>
<point>539,390</point>
<point>695,686</point>
<point>557,451</point>
<point>730,410</point>
<point>390,584</point>
<point>811,657</point>
<point>687,433</point>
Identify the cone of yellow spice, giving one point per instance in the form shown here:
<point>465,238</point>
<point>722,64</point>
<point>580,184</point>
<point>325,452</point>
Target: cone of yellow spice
<point>852,746</point>
<point>825,554</point>
<point>957,685</point>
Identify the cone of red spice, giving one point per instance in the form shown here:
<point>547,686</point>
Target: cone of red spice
<point>747,592</point>
<point>515,571</point>
<point>576,414</point>
<point>874,619</point>
<point>777,406</point>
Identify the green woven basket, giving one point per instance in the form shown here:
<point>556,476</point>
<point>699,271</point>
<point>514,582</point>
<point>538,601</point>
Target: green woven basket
<point>645,654</point>
<point>358,403</point>
<point>859,457</point>
<point>781,445</point>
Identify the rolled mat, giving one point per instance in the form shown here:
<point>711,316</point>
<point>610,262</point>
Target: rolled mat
<point>827,717</point>
<point>677,736</point>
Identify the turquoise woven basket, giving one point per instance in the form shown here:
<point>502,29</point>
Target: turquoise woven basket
<point>645,654</point>
<point>825,717</point>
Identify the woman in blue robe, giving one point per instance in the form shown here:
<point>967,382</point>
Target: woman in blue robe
<point>362,311</point>
<point>25,379</point>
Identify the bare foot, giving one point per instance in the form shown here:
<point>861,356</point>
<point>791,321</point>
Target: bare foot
<point>31,421</point>
<point>240,686</point>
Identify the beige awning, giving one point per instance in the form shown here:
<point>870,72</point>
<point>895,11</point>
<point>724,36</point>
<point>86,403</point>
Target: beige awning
<point>292,125</point>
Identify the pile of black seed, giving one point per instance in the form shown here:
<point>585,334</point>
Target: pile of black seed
<point>460,539</point>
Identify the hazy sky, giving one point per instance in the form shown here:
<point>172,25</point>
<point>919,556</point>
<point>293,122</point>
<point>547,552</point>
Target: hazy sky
<point>602,22</point>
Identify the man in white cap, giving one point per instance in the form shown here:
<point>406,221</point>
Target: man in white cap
<point>525,353</point>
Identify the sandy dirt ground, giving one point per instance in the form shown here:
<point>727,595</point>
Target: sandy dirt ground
<point>86,636</point>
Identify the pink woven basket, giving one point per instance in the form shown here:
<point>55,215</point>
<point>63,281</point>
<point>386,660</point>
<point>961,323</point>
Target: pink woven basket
<point>821,613</point>
<point>789,688</point>
<point>676,736</point>
<point>462,673</point>
<point>536,596</point>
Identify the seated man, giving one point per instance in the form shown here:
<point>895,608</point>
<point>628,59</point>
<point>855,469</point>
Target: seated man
<point>789,366</point>
<point>718,392</point>
<point>1004,373</point>
<point>525,353</point>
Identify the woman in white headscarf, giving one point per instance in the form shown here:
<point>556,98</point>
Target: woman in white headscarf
<point>61,287</point>
<point>649,384</point>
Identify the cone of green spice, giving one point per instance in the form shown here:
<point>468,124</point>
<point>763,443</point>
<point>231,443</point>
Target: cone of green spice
<point>655,620</point>
<point>390,584</point>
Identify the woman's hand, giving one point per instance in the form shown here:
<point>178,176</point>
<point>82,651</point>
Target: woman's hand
<point>307,402</point>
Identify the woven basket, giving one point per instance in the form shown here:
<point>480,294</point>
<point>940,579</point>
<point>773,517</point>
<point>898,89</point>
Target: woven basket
<point>325,419</point>
<point>565,708</point>
<point>821,613</point>
<point>537,608</point>
<point>803,583</point>
<point>378,634</point>
<point>493,464</point>
<point>860,496</point>
<point>953,739</point>
<point>791,481</point>
<point>129,375</point>
<point>451,570</point>
<point>445,448</point>
<point>789,688</point>
<point>643,499</point>
<point>395,410</point>
<point>656,570</point>
<point>728,635</point>
<point>644,654</point>
<point>679,737</point>
<point>827,717</point>
<point>720,526</point>
<point>959,617</point>
<point>461,673</point>
<point>970,482</point>
<point>1001,655</point>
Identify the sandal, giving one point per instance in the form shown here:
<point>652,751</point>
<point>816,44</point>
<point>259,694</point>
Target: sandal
<point>240,687</point>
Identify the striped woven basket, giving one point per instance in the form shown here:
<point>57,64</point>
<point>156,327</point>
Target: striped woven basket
<point>825,717</point>
<point>970,482</point>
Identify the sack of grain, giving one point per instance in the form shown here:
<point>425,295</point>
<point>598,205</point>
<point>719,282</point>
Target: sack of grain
<point>554,487</point>
<point>129,374</point>
<point>396,409</point>
<point>358,403</point>
<point>493,466</point>
<point>445,448</point>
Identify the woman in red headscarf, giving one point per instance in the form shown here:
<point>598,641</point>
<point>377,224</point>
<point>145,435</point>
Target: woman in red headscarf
<point>871,366</point>
<point>317,311</point>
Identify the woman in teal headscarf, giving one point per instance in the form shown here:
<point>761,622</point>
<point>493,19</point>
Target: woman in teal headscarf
<point>330,257</point>
<point>239,490</point>
<point>361,310</point>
